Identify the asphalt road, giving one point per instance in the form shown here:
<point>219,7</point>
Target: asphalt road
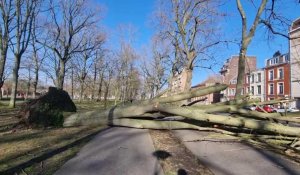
<point>235,158</point>
<point>116,151</point>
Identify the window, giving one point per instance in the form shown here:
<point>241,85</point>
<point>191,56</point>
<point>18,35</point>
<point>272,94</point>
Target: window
<point>248,79</point>
<point>280,88</point>
<point>232,91</point>
<point>258,89</point>
<point>287,58</point>
<point>233,81</point>
<point>271,89</point>
<point>252,78</point>
<point>271,75</point>
<point>258,77</point>
<point>280,73</point>
<point>248,89</point>
<point>252,89</point>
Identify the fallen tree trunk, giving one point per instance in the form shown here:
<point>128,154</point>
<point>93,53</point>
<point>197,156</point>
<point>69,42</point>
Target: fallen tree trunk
<point>233,121</point>
<point>128,115</point>
<point>200,115</point>
<point>187,95</point>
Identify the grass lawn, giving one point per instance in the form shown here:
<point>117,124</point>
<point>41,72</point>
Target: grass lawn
<point>40,151</point>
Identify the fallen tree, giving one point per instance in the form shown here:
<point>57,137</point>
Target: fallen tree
<point>133,115</point>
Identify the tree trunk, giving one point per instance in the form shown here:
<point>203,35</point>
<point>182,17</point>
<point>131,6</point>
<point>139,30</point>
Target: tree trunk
<point>81,91</point>
<point>61,75</point>
<point>106,94</point>
<point>35,83</point>
<point>15,77</point>
<point>72,84</point>
<point>100,87</point>
<point>2,67</point>
<point>241,73</point>
<point>28,84</point>
<point>94,83</point>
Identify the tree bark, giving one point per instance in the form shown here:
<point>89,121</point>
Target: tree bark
<point>100,87</point>
<point>61,74</point>
<point>241,74</point>
<point>246,39</point>
<point>35,83</point>
<point>2,66</point>
<point>15,77</point>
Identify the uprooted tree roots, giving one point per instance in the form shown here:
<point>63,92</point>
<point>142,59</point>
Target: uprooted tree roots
<point>160,113</point>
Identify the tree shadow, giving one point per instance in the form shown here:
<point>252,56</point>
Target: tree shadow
<point>50,154</point>
<point>161,154</point>
<point>181,172</point>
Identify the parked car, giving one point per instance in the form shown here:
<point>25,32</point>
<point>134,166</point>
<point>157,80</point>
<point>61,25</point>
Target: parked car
<point>250,108</point>
<point>266,108</point>
<point>293,110</point>
<point>282,110</point>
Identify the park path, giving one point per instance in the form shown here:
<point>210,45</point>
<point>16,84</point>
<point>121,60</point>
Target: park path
<point>115,151</point>
<point>235,158</point>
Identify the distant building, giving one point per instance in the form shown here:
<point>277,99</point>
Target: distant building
<point>295,62</point>
<point>209,98</point>
<point>229,72</point>
<point>257,84</point>
<point>277,76</point>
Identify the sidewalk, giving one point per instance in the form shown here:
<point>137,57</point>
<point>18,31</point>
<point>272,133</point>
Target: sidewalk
<point>230,158</point>
<point>115,151</point>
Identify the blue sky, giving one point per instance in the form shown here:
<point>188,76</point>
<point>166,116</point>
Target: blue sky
<point>137,14</point>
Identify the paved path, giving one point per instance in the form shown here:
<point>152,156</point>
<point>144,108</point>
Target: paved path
<point>116,151</point>
<point>232,158</point>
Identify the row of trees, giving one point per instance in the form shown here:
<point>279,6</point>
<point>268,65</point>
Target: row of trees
<point>64,39</point>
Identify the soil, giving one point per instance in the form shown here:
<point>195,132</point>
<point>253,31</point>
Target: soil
<point>174,157</point>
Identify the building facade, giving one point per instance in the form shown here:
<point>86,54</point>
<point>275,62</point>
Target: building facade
<point>209,98</point>
<point>257,84</point>
<point>277,77</point>
<point>295,62</point>
<point>229,72</point>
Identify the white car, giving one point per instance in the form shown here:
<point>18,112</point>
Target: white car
<point>282,110</point>
<point>293,110</point>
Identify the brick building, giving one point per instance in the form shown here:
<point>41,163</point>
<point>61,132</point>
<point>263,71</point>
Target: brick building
<point>229,72</point>
<point>277,77</point>
<point>295,62</point>
<point>209,98</point>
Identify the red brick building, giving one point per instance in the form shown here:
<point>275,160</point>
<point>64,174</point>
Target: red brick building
<point>277,77</point>
<point>209,98</point>
<point>229,72</point>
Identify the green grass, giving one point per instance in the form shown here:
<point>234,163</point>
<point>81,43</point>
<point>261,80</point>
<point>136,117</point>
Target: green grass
<point>41,151</point>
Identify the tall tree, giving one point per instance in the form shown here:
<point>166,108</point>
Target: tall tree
<point>68,20</point>
<point>85,60</point>
<point>189,24</point>
<point>7,14</point>
<point>23,20</point>
<point>39,53</point>
<point>245,41</point>
<point>156,67</point>
<point>267,15</point>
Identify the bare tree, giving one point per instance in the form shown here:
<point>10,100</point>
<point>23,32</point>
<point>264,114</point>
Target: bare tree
<point>266,15</point>
<point>69,19</point>
<point>156,67</point>
<point>25,12</point>
<point>39,53</point>
<point>85,60</point>
<point>190,28</point>
<point>7,14</point>
<point>245,41</point>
